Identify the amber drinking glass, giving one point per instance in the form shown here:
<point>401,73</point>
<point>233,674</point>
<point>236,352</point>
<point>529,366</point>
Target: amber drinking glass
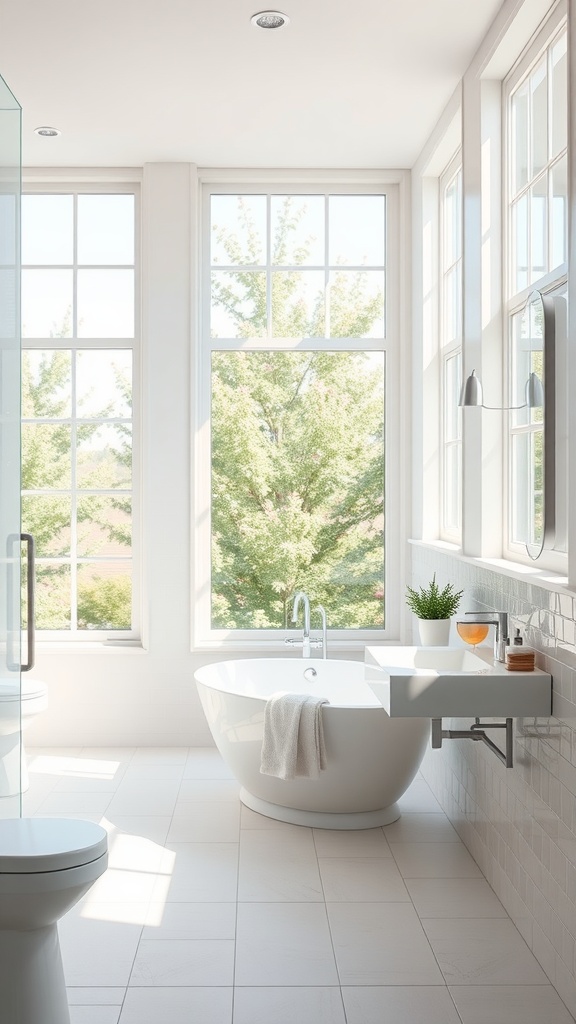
<point>472,632</point>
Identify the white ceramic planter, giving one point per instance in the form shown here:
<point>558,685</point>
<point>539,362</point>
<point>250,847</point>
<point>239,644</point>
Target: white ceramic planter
<point>434,632</point>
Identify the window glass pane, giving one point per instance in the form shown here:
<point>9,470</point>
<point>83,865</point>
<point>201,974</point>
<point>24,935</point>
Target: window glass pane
<point>298,232</point>
<point>298,485</point>
<point>238,230</point>
<point>47,229</point>
<point>48,518</point>
<point>46,384</point>
<point>539,92</point>
<point>527,481</point>
<point>520,244</point>
<point>104,595</point>
<point>103,384</point>
<point>238,305</point>
<point>53,584</point>
<point>45,456</point>
<point>452,236</point>
<point>452,222</point>
<point>452,484</point>
<point>520,139</point>
<point>452,386</point>
<point>298,309</point>
<point>104,456</point>
<point>559,213</point>
<point>559,105</point>
<point>539,228</point>
<point>105,303</point>
<point>520,513</point>
<point>452,326</point>
<point>104,525</point>
<point>357,230</point>
<point>106,229</point>
<point>357,304</point>
<point>46,303</point>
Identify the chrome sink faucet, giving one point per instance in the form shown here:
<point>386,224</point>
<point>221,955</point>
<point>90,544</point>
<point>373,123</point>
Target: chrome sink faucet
<point>501,636</point>
<point>306,642</point>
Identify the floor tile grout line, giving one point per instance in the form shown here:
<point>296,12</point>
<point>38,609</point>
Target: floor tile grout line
<point>420,922</point>
<point>329,928</point>
<point>236,913</point>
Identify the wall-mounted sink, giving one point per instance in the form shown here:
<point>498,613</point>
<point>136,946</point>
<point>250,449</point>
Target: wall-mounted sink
<point>437,682</point>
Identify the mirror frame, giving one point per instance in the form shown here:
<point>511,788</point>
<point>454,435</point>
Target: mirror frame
<point>549,423</point>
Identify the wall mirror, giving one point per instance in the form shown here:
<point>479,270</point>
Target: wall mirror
<point>533,423</point>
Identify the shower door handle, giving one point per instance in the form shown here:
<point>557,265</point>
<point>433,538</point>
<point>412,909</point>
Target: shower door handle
<point>14,627</point>
<point>31,610</point>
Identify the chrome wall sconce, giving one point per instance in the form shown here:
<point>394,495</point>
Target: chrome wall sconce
<point>471,394</point>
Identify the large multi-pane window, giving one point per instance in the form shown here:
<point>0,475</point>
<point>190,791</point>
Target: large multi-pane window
<point>450,347</point>
<point>78,336</point>
<point>295,372</point>
<point>536,114</point>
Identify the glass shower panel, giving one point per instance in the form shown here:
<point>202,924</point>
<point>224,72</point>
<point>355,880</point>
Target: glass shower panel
<point>10,644</point>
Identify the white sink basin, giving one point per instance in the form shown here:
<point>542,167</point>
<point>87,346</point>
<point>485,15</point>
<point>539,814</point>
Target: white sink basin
<point>441,659</point>
<point>436,682</point>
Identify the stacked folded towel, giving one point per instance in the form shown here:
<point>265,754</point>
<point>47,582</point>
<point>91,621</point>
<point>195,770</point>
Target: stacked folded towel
<point>293,743</point>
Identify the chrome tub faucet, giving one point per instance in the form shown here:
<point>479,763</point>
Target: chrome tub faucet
<point>307,642</point>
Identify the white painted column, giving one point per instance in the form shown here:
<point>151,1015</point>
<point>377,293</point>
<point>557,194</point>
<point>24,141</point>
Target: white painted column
<point>166,258</point>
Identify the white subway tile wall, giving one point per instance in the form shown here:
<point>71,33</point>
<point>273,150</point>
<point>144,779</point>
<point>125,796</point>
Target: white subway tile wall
<point>519,823</point>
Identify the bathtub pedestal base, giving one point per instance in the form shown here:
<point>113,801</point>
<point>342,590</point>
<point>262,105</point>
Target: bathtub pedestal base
<point>321,819</point>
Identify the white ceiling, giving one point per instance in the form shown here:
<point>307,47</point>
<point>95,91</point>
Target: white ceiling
<point>345,84</point>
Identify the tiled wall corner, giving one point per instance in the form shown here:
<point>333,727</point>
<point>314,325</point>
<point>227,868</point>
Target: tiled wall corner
<point>519,823</point>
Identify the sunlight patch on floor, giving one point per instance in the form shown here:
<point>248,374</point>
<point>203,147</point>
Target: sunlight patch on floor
<point>139,872</point>
<point>78,767</point>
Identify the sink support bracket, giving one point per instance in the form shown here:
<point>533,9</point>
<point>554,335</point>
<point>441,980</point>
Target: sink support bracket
<point>476,732</point>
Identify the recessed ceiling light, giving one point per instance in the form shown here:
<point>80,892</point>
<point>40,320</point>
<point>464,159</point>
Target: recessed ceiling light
<point>47,132</point>
<point>270,19</point>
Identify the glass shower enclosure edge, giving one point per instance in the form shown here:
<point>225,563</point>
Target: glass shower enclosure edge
<point>10,455</point>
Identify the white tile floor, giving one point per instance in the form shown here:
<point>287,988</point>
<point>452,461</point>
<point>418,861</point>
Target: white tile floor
<point>212,914</point>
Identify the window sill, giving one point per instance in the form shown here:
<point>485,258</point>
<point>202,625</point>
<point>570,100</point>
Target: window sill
<point>89,647</point>
<point>544,578</point>
<point>277,648</point>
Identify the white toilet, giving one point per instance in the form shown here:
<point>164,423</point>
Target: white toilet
<point>18,705</point>
<point>46,866</point>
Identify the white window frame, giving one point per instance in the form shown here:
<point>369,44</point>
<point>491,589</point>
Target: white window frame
<point>550,283</point>
<point>449,349</point>
<point>97,186</point>
<point>322,183</point>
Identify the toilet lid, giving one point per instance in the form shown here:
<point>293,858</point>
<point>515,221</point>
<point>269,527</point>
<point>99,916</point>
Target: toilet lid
<point>14,691</point>
<point>49,844</point>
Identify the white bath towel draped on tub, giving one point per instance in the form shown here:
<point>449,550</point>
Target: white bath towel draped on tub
<point>293,742</point>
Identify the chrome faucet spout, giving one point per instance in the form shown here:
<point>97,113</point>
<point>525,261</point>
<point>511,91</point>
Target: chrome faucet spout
<point>322,611</point>
<point>299,598</point>
<point>501,635</point>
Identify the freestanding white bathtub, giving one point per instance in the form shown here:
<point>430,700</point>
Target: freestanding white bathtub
<point>371,757</point>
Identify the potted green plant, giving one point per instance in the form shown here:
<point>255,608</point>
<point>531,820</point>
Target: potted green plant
<point>433,608</point>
